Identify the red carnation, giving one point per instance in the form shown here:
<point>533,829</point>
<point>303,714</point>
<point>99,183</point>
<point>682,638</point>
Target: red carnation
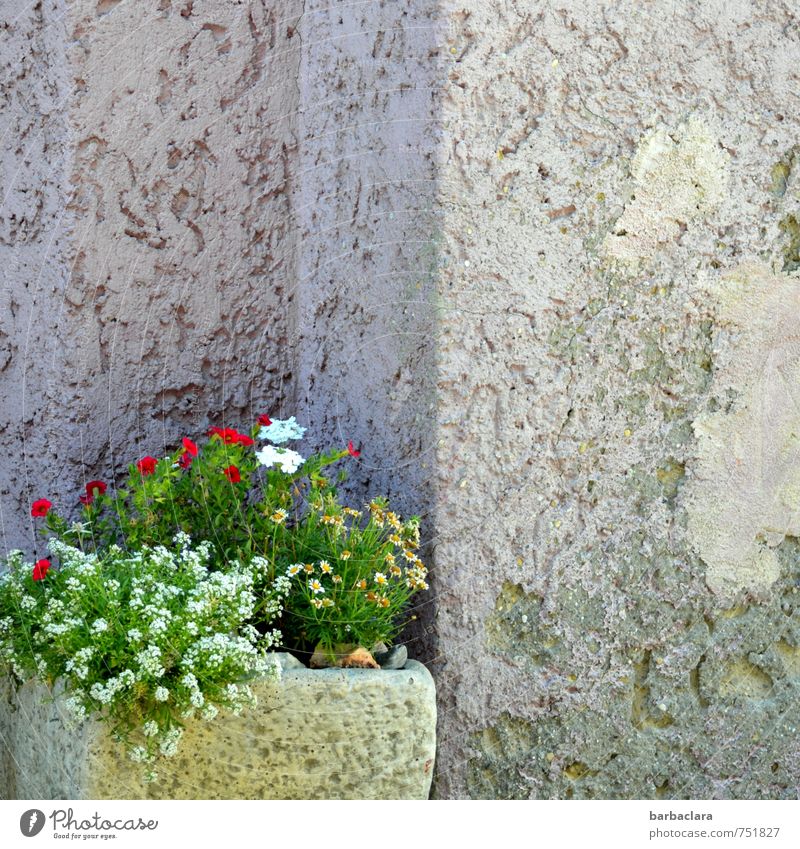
<point>351,450</point>
<point>190,447</point>
<point>40,507</point>
<point>40,569</point>
<point>232,474</point>
<point>264,420</point>
<point>147,465</point>
<point>93,489</point>
<point>185,460</point>
<point>243,439</point>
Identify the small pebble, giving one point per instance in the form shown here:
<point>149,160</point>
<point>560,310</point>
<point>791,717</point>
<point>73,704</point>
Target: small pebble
<point>394,658</point>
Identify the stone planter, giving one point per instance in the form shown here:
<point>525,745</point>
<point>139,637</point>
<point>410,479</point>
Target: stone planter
<point>316,734</point>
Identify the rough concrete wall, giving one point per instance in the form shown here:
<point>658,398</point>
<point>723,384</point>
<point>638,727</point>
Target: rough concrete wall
<point>617,409</point>
<point>169,270</point>
<point>366,223</point>
<point>183,115</point>
<point>35,158</point>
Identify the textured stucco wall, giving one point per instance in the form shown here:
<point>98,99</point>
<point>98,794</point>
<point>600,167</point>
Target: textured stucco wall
<point>616,565</point>
<point>35,162</point>
<point>365,213</point>
<point>146,236</point>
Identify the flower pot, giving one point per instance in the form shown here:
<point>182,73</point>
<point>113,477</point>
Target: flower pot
<point>315,734</point>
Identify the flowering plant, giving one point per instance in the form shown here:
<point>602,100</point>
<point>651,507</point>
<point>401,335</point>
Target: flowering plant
<point>351,579</point>
<point>221,490</point>
<point>145,640</point>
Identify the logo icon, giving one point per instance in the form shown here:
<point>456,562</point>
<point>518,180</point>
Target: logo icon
<point>31,822</point>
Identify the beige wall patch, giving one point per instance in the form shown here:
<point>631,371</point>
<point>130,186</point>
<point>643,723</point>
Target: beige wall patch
<point>744,494</point>
<point>679,176</point>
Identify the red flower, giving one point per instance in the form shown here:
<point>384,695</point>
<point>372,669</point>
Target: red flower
<point>230,436</point>
<point>93,489</point>
<point>40,507</point>
<point>40,569</point>
<point>352,451</point>
<point>232,474</point>
<point>147,465</point>
<point>264,420</point>
<point>190,447</point>
<point>185,460</point>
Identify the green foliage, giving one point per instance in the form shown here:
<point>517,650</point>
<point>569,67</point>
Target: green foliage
<point>247,502</point>
<point>351,580</point>
<point>231,511</point>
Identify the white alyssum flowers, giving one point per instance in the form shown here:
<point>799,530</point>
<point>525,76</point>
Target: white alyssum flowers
<point>179,633</point>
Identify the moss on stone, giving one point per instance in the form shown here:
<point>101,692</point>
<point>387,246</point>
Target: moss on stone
<point>791,252</point>
<point>782,171</point>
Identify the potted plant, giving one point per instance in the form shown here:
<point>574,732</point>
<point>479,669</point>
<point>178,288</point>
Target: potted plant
<point>153,631</point>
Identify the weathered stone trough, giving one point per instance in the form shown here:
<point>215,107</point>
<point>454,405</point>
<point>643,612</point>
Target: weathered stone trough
<point>316,734</point>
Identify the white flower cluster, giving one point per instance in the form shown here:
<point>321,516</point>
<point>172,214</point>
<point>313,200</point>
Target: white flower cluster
<point>79,662</point>
<point>149,661</point>
<point>75,708</point>
<point>105,693</point>
<point>288,460</point>
<point>280,431</point>
<point>73,560</point>
<point>168,745</point>
<point>216,651</point>
<point>180,635</point>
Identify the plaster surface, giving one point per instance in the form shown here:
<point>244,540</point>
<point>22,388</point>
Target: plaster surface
<point>146,239</point>
<point>607,166</point>
<point>748,450</point>
<point>365,213</point>
<point>35,163</point>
